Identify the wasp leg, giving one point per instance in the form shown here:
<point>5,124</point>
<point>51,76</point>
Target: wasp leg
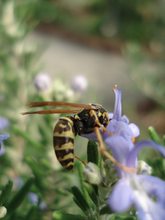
<point>106,154</point>
<point>82,161</point>
<point>93,113</point>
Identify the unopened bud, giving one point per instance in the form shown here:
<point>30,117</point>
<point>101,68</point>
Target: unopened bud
<point>144,168</point>
<point>92,174</point>
<point>3,211</point>
<point>42,81</point>
<point>79,83</point>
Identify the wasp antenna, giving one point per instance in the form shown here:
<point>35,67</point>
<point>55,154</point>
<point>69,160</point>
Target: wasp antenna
<point>31,104</point>
<point>59,104</point>
<point>27,113</point>
<point>54,111</point>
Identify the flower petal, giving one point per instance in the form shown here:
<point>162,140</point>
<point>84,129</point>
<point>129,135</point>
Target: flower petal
<point>33,198</point>
<point>120,199</point>
<point>3,137</point>
<point>147,209</point>
<point>154,186</point>
<point>4,123</point>
<point>135,130</point>
<point>132,156</point>
<point>119,146</point>
<point>120,128</point>
<point>118,107</point>
<point>125,119</point>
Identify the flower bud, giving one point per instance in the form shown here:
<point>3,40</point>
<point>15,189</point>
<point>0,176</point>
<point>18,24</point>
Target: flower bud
<point>3,211</point>
<point>92,174</point>
<point>42,81</point>
<point>144,168</point>
<point>79,83</point>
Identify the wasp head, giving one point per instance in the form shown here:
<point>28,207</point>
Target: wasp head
<point>102,114</point>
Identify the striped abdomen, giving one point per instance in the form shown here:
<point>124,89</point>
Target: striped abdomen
<point>63,141</point>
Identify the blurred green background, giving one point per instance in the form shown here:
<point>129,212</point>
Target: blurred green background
<point>75,51</point>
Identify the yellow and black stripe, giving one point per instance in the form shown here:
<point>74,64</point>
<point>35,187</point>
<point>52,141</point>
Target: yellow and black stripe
<point>63,141</point>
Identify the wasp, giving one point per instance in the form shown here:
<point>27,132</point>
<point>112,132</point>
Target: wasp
<point>83,119</point>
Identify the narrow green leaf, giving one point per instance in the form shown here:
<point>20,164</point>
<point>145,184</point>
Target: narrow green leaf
<point>79,199</point>
<point>33,213</point>
<point>92,152</point>
<point>154,135</point>
<point>5,193</point>
<point>38,173</point>
<point>163,139</point>
<point>105,210</point>
<point>93,193</point>
<point>83,186</point>
<point>58,215</point>
<point>20,195</point>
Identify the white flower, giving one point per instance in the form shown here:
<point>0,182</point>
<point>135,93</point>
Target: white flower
<point>79,83</point>
<point>42,81</point>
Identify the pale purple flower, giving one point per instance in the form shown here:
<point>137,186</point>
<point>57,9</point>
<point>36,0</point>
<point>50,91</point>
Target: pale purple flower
<point>18,182</point>
<point>144,192</point>
<point>4,123</point>
<point>123,134</point>
<point>42,81</point>
<point>35,200</point>
<point>79,83</point>
<point>3,137</point>
<point>43,205</point>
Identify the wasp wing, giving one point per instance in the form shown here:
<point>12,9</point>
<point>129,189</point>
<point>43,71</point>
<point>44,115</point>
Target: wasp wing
<point>71,108</point>
<point>59,104</point>
<point>54,111</point>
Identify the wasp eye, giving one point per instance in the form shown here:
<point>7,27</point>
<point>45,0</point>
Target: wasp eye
<point>105,121</point>
<point>101,119</point>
